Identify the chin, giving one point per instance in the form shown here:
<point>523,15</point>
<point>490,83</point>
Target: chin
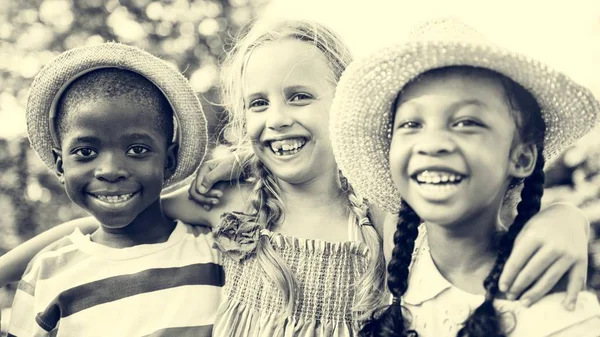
<point>114,222</point>
<point>438,214</point>
<point>292,175</point>
<point>291,178</point>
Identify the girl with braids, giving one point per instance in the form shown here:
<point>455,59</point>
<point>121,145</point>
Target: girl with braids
<point>300,249</point>
<point>301,256</point>
<point>300,253</point>
<point>458,125</point>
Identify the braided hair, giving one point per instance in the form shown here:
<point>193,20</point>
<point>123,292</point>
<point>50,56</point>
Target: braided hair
<point>484,321</point>
<point>269,211</point>
<point>391,322</point>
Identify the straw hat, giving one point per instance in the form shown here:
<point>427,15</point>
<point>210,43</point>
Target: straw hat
<point>53,79</point>
<point>361,113</point>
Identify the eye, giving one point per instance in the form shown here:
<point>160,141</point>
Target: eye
<point>258,105</point>
<point>468,123</point>
<point>85,152</point>
<point>137,150</point>
<point>300,97</point>
<point>409,125</point>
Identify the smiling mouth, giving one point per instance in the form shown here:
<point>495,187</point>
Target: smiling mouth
<point>113,199</point>
<point>287,147</point>
<point>431,177</point>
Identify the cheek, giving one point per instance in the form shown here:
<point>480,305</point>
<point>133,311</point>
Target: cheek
<point>323,132</point>
<point>254,125</point>
<point>75,172</point>
<point>398,159</point>
<point>150,170</point>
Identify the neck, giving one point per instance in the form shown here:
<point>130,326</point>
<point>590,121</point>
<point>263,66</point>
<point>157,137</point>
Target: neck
<point>321,193</point>
<point>149,227</point>
<point>315,210</point>
<point>466,249</point>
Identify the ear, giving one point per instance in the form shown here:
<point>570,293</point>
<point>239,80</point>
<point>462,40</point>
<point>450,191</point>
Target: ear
<point>58,164</point>
<point>171,159</point>
<point>522,160</point>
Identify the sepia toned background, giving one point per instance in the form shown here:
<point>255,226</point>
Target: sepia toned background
<point>193,36</point>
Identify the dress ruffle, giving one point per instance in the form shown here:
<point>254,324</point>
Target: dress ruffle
<point>326,273</point>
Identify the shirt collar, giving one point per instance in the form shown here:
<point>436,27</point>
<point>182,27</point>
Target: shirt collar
<point>425,280</point>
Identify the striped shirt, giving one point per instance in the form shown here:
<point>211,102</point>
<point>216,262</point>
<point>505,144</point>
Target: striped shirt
<point>76,287</point>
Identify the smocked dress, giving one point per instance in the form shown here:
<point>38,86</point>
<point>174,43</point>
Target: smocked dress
<point>325,272</point>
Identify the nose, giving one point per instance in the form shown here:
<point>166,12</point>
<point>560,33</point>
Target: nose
<point>279,117</point>
<point>436,143</point>
<point>111,169</point>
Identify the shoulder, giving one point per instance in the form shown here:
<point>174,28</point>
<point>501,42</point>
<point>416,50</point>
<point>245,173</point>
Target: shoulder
<point>385,225</point>
<point>547,317</point>
<point>50,259</point>
<point>378,218</point>
<point>197,230</point>
<point>198,246</point>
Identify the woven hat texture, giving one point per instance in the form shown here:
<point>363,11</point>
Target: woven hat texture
<point>362,109</point>
<point>54,78</point>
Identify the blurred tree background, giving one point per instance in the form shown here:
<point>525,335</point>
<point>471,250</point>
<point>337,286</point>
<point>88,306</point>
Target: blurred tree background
<point>192,35</point>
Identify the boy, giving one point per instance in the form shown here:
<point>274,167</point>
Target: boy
<point>118,125</point>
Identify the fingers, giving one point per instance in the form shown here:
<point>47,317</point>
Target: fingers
<point>538,264</point>
<point>213,171</point>
<point>577,280</point>
<point>202,171</point>
<point>546,282</point>
<point>220,172</point>
<point>525,247</point>
<point>207,200</point>
<point>574,156</point>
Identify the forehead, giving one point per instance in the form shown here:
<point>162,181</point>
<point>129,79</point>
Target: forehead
<point>112,115</point>
<point>455,87</point>
<point>286,62</point>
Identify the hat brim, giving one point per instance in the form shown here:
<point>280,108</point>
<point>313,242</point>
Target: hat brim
<point>191,125</point>
<point>362,109</point>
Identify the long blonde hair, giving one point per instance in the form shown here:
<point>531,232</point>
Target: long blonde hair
<point>267,205</point>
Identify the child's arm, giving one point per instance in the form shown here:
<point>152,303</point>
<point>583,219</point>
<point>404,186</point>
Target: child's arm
<point>13,263</point>
<point>23,313</point>
<point>180,205</point>
<point>552,244</point>
<point>225,167</point>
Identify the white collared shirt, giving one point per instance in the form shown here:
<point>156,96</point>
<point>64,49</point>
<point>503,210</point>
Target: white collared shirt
<point>438,308</point>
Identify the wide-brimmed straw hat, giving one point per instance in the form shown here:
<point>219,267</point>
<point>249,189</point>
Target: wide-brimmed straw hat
<point>362,113</point>
<point>189,120</point>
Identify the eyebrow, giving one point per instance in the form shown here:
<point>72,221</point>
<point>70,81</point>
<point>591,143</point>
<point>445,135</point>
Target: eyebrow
<point>453,107</point>
<point>286,89</point>
<point>139,137</point>
<point>83,139</point>
<point>460,104</point>
<point>297,87</point>
<point>254,95</point>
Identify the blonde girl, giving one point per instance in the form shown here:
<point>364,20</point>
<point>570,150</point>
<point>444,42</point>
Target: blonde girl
<point>301,255</point>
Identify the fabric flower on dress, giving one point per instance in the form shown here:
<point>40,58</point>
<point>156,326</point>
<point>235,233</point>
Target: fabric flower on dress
<point>237,235</point>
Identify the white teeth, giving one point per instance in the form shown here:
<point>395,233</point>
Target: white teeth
<point>437,177</point>
<point>287,146</point>
<point>113,199</point>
